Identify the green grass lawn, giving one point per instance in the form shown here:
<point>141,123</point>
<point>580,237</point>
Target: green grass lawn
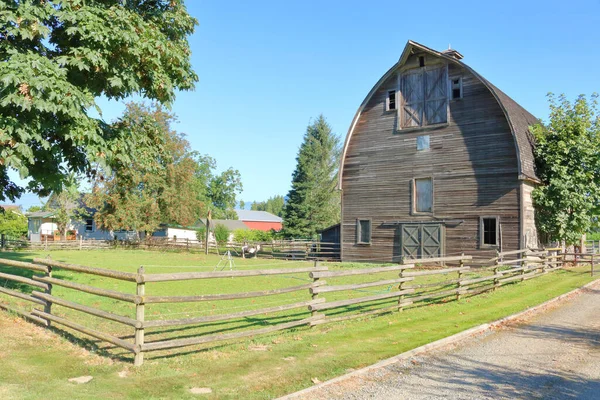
<point>263,367</point>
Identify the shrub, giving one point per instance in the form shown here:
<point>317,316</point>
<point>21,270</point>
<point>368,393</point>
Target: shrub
<point>252,235</point>
<point>241,235</point>
<point>221,234</point>
<point>13,224</point>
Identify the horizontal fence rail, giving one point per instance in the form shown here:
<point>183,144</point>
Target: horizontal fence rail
<point>347,293</point>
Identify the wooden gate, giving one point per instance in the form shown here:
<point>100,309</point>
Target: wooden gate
<point>422,240</point>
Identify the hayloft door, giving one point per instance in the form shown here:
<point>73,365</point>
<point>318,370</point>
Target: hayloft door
<point>421,240</point>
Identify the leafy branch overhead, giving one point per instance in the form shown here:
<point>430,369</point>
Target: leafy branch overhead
<point>568,163</point>
<point>57,57</point>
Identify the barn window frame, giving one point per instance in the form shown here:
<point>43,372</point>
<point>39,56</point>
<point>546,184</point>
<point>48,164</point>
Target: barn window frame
<point>359,231</point>
<point>400,100</point>
<point>451,80</point>
<point>482,243</point>
<point>388,102</point>
<point>414,199</point>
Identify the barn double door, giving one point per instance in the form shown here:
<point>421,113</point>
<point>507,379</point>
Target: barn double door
<point>421,240</point>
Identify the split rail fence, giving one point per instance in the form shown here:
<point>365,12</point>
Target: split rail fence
<point>278,249</point>
<point>330,294</point>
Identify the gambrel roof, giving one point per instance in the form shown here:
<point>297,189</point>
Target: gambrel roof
<point>517,117</point>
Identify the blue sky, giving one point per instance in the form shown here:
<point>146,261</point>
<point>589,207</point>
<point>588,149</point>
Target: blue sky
<point>267,68</point>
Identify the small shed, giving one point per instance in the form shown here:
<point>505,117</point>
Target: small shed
<point>330,234</point>
<point>41,224</point>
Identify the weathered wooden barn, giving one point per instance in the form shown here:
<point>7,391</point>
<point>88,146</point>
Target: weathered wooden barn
<point>437,161</point>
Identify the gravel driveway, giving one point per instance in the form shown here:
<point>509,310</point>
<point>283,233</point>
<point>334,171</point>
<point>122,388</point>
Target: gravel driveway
<point>553,355</point>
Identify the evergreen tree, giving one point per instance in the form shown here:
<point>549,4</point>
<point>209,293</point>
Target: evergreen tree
<point>273,205</point>
<point>313,202</point>
<point>568,164</point>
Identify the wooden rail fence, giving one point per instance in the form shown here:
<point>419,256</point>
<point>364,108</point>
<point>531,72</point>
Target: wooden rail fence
<point>347,301</point>
<point>278,249</point>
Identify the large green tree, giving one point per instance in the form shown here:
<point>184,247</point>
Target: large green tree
<point>57,57</point>
<point>157,178</point>
<point>313,202</point>
<point>153,178</point>
<point>273,205</point>
<point>568,163</point>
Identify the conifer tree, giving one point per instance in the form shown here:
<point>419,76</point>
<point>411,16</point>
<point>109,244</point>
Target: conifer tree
<point>313,202</point>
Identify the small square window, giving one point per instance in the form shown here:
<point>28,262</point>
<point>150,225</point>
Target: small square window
<point>421,61</point>
<point>363,231</point>
<point>489,231</point>
<point>456,88</point>
<point>422,143</point>
<point>391,100</point>
<point>89,225</point>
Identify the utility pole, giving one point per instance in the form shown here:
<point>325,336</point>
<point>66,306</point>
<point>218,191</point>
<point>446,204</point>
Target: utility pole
<point>208,218</point>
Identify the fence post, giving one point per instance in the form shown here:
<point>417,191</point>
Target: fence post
<point>496,267</point>
<point>545,262</point>
<point>400,287</point>
<point>48,291</point>
<point>524,267</point>
<point>3,241</point>
<point>461,264</point>
<point>592,269</point>
<point>315,295</point>
<point>139,316</point>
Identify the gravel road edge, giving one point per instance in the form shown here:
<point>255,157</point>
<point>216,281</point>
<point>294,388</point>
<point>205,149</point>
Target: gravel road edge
<point>443,342</point>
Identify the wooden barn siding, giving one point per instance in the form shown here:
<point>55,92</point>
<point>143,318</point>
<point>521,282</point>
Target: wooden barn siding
<point>472,161</point>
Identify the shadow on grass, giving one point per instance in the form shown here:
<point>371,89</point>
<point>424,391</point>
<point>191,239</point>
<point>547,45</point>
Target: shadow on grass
<point>250,321</point>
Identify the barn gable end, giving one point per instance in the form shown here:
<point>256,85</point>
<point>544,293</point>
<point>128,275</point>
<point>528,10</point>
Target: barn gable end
<point>468,151</point>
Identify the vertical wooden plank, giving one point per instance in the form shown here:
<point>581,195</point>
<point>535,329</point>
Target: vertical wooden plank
<point>140,316</point>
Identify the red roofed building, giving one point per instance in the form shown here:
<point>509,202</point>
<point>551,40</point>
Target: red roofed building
<point>260,220</point>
